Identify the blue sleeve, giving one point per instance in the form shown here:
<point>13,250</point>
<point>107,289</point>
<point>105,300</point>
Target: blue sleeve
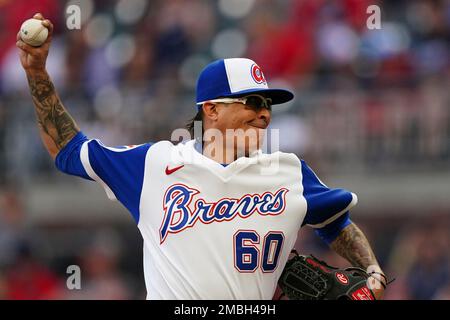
<point>68,159</point>
<point>120,170</point>
<point>330,232</point>
<point>324,205</point>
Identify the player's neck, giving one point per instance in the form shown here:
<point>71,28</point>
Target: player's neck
<point>226,146</point>
<point>219,152</point>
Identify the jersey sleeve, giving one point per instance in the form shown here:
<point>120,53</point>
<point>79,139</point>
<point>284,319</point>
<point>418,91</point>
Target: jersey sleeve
<point>119,170</point>
<point>330,232</point>
<point>325,205</point>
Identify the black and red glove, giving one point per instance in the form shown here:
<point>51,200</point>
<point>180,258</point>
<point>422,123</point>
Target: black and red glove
<point>308,278</point>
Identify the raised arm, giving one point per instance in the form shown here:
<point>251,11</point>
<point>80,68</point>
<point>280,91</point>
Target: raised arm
<point>56,126</point>
<point>353,245</point>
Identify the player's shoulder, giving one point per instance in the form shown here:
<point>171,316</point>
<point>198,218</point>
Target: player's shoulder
<point>308,171</point>
<point>168,148</point>
<point>167,144</point>
<point>288,157</point>
<point>162,144</point>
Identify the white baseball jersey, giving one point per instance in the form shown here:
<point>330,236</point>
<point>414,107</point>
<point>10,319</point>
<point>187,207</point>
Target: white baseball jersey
<point>210,231</point>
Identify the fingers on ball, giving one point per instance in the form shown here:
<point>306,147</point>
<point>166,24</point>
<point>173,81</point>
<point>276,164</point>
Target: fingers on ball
<point>38,16</point>
<point>25,47</point>
<point>48,24</point>
<point>45,22</point>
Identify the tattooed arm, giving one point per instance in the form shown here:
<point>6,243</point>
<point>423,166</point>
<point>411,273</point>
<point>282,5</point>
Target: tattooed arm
<point>353,245</point>
<point>56,126</point>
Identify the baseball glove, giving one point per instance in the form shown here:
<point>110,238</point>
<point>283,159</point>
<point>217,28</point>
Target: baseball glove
<point>308,278</point>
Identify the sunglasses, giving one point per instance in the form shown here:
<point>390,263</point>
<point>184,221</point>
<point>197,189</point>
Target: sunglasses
<point>254,101</point>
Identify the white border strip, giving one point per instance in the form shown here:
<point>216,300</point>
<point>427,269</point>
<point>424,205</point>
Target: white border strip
<point>84,156</point>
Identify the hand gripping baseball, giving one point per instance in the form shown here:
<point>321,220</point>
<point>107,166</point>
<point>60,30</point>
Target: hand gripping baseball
<point>34,58</point>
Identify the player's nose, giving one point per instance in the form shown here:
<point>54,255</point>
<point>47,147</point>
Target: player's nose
<point>264,114</point>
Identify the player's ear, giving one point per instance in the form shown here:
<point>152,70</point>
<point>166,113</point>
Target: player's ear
<point>210,111</point>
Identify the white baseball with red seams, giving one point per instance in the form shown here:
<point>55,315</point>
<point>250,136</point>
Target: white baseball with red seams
<point>33,32</point>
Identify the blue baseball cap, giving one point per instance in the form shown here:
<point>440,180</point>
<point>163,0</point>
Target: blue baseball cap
<point>236,77</point>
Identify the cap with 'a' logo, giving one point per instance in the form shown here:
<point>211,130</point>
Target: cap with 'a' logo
<point>236,77</point>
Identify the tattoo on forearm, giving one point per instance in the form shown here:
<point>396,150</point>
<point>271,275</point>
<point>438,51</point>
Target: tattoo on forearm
<point>52,117</point>
<point>354,246</point>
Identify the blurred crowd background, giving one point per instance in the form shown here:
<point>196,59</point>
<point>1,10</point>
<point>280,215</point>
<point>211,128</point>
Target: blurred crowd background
<point>371,114</point>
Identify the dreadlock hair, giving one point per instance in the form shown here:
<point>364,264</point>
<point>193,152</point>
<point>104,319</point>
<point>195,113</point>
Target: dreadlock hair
<point>191,123</point>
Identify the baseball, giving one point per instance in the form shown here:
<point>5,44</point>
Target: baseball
<point>33,32</point>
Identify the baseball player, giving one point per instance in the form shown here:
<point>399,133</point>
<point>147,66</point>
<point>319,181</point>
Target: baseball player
<point>214,225</point>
